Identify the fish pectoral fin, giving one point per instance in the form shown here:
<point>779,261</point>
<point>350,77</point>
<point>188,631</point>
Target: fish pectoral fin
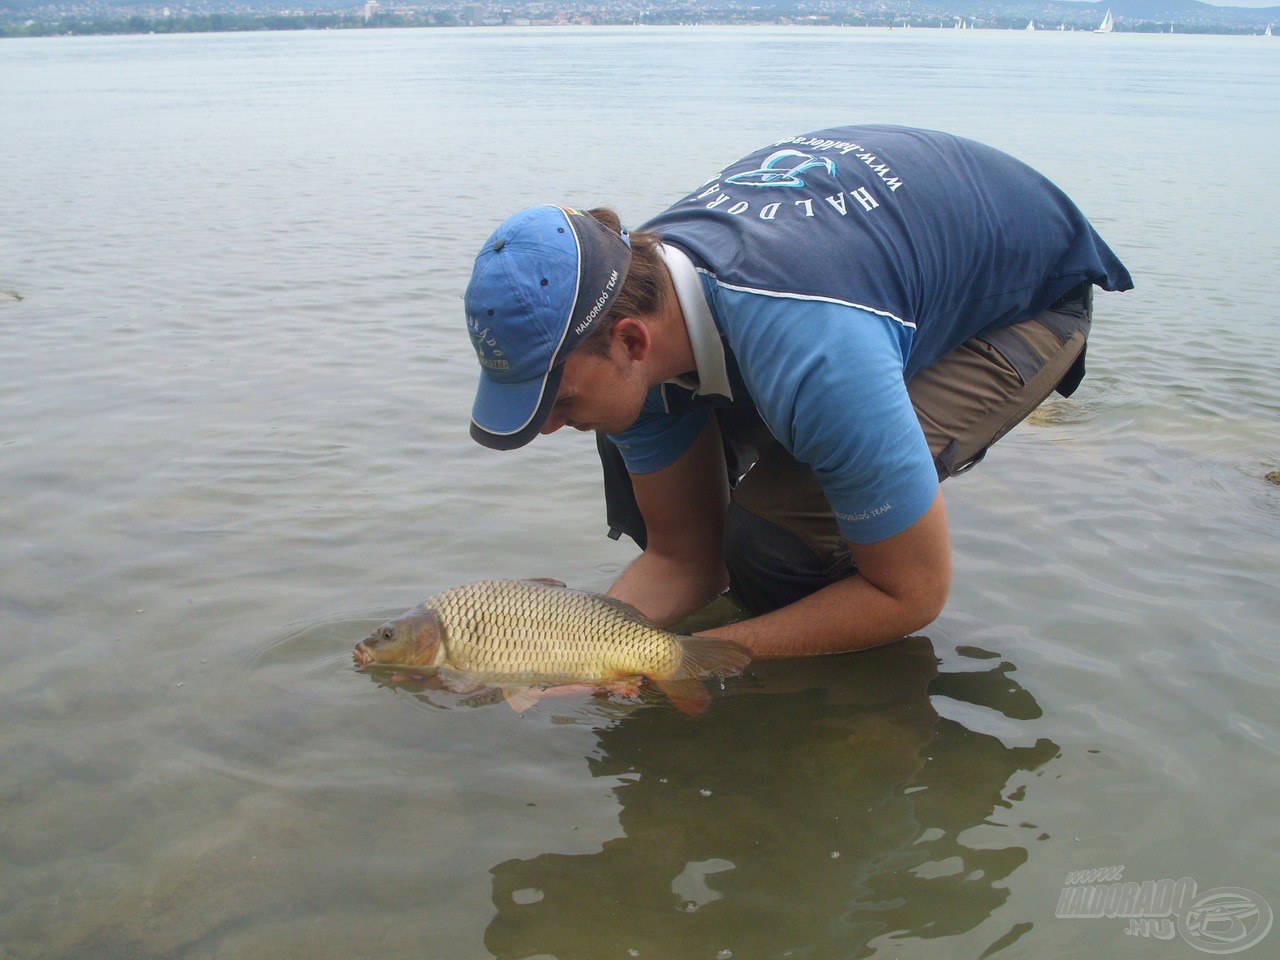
<point>627,687</point>
<point>521,699</point>
<point>460,681</point>
<point>688,694</point>
<point>485,698</point>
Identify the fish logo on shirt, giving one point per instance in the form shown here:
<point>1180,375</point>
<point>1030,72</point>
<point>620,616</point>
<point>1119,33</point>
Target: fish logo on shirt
<point>782,168</point>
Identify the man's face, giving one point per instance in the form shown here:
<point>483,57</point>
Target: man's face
<point>600,393</point>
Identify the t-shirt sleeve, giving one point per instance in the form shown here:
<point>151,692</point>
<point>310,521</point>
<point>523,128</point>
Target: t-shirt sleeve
<point>661,435</point>
<point>827,379</point>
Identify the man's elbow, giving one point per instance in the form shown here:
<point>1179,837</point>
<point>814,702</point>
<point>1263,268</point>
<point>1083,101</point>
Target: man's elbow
<point>925,603</point>
<point>931,607</point>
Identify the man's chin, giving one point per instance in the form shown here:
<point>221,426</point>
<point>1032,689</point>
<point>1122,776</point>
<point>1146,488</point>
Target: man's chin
<point>600,428</point>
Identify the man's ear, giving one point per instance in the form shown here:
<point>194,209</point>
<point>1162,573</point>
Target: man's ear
<point>633,335</point>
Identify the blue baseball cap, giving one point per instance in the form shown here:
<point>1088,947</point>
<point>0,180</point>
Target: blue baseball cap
<point>540,284</point>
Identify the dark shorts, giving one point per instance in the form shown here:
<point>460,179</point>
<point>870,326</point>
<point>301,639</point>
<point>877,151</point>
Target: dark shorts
<point>781,538</point>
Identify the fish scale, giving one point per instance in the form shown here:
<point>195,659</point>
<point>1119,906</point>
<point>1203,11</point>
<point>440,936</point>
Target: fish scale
<point>507,629</point>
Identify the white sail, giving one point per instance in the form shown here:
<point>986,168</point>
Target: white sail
<point>1031,24</point>
<point>1268,33</point>
<point>1108,24</point>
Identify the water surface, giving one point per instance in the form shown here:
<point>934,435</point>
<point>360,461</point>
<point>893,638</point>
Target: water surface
<point>235,395</point>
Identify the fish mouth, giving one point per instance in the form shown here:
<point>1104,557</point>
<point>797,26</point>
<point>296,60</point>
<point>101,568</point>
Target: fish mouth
<point>362,655</point>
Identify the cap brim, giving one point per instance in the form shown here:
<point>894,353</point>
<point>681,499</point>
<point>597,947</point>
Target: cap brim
<point>506,416</point>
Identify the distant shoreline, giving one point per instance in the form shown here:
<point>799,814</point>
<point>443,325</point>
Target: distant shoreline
<point>428,19</point>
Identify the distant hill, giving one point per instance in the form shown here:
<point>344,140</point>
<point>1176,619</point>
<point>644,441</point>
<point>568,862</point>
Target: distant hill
<point>1128,13</point>
<point>1177,11</point>
<point>1148,15</point>
<point>1188,10</point>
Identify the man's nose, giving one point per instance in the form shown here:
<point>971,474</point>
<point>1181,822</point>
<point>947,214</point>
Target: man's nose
<point>554,423</point>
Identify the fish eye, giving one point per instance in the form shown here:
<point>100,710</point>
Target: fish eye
<point>386,633</point>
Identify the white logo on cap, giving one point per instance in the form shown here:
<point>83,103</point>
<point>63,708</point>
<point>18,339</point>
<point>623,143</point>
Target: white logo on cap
<point>485,344</point>
<point>599,304</point>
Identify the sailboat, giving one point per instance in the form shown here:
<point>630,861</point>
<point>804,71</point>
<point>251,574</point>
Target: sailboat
<point>1108,24</point>
<point>1268,33</point>
<point>1031,24</point>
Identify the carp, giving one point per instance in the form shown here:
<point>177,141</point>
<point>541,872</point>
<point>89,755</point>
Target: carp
<point>521,635</point>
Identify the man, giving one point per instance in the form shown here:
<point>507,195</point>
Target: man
<point>787,362</point>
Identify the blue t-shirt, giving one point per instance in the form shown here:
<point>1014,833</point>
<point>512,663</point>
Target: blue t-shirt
<point>836,265</point>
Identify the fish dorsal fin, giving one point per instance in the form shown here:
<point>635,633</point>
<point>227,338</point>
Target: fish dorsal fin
<point>621,606</point>
<point>612,602</point>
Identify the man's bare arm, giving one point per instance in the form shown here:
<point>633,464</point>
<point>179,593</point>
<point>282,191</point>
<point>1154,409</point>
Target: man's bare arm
<point>901,586</point>
<point>684,505</point>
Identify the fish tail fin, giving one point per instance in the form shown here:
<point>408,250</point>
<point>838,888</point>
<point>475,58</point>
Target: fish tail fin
<point>688,694</point>
<point>710,657</point>
<point>700,657</point>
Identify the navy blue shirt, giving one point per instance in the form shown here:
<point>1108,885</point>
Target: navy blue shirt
<point>837,264</point>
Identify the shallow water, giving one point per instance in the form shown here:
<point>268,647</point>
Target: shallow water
<point>235,395</point>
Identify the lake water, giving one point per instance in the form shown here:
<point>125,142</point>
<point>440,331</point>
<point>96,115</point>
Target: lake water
<point>235,394</point>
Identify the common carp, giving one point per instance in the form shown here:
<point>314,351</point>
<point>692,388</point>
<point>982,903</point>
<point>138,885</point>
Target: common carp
<point>524,634</point>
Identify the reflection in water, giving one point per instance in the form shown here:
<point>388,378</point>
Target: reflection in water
<point>827,808</point>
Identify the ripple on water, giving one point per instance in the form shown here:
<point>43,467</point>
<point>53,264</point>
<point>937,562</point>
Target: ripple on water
<point>312,660</point>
